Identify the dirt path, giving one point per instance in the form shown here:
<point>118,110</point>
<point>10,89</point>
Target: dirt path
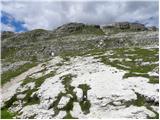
<point>8,89</point>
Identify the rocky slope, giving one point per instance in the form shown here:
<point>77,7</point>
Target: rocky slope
<point>81,71</point>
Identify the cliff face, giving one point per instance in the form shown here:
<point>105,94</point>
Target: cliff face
<point>81,71</point>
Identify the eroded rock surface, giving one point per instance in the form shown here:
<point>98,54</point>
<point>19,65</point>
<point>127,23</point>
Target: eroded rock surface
<point>84,87</point>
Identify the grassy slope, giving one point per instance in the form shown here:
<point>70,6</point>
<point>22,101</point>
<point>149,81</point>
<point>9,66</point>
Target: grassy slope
<point>6,76</point>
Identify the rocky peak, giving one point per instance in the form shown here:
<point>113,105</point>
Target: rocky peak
<point>77,28</point>
<point>70,27</point>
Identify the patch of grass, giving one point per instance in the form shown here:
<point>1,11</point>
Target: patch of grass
<point>69,105</point>
<point>114,63</point>
<point>55,103</point>
<point>134,67</point>
<point>8,52</point>
<point>6,114</point>
<point>10,101</point>
<point>69,116</point>
<point>34,100</point>
<point>38,81</point>
<point>66,54</point>
<point>84,88</point>
<point>27,80</point>
<point>130,74</point>
<point>28,99</point>
<point>143,68</point>
<point>66,80</point>
<point>6,76</point>
<point>157,114</point>
<point>92,51</point>
<point>31,100</point>
<point>85,103</point>
<point>140,101</point>
<point>154,79</point>
<point>95,51</point>
<point>85,106</point>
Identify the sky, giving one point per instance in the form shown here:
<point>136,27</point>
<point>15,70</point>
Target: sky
<point>25,15</point>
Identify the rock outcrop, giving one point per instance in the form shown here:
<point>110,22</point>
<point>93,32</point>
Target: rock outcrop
<point>70,27</point>
<point>126,27</point>
<point>121,25</point>
<point>75,28</point>
<point>137,27</point>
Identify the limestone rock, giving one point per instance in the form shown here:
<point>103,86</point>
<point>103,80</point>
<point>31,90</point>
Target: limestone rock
<point>21,96</point>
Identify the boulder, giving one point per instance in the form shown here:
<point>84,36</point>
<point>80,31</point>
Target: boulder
<point>21,96</point>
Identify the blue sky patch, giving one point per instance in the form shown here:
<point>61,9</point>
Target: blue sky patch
<point>9,20</point>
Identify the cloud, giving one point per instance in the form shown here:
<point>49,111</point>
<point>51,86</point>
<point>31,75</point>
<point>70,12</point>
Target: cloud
<point>5,27</point>
<point>49,14</point>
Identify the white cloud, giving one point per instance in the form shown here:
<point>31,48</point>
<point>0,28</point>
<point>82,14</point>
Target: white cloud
<point>49,15</point>
<point>5,27</point>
